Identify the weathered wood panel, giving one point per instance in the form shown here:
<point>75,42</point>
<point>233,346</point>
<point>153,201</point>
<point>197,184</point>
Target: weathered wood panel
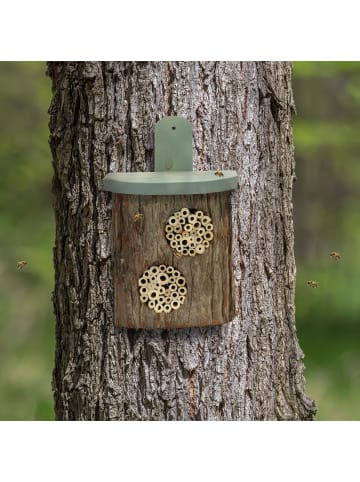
<point>139,242</point>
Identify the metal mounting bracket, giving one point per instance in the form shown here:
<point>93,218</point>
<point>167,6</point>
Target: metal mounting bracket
<point>173,167</point>
<point>173,144</point>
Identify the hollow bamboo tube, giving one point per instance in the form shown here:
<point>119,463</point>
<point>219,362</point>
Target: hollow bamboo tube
<point>175,305</point>
<point>172,221</point>
<point>185,212</point>
<point>158,308</point>
<point>209,236</point>
<point>153,295</point>
<point>200,249</point>
<point>142,281</point>
<point>181,281</point>
<point>182,290</point>
<point>163,278</point>
<point>167,308</point>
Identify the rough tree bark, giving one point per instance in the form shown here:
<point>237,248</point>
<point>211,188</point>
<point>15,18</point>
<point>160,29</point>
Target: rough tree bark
<point>101,119</point>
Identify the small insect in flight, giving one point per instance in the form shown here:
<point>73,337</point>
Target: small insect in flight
<point>313,284</point>
<point>21,264</point>
<point>335,255</point>
<point>219,174</point>
<point>138,216</point>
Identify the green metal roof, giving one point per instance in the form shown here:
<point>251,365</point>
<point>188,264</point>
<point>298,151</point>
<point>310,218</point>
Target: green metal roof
<point>173,167</point>
<point>170,182</point>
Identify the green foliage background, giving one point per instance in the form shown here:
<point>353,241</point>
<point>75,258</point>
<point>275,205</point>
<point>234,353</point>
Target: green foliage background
<point>327,219</point>
<point>26,233</point>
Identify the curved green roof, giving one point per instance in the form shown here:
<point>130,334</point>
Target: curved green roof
<point>170,182</point>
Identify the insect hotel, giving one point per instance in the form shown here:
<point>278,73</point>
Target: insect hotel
<point>172,262</point>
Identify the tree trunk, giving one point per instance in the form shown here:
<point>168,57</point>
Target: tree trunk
<point>102,118</point>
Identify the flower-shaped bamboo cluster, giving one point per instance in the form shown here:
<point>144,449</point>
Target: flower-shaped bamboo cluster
<point>163,288</point>
<point>189,232</point>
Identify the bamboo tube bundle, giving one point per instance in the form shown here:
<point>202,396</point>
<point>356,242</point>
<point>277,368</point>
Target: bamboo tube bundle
<point>189,232</point>
<point>162,288</point>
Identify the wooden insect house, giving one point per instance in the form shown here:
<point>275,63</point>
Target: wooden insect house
<point>172,262</point>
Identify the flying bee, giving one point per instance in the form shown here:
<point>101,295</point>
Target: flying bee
<point>335,255</point>
<point>21,264</point>
<point>313,284</point>
<point>178,254</point>
<point>138,216</point>
<point>219,174</point>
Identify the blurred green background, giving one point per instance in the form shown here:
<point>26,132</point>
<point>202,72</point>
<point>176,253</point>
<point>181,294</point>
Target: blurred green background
<point>327,218</point>
<point>26,234</point>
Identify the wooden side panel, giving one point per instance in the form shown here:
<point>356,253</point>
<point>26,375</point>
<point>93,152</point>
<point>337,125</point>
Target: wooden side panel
<point>139,242</point>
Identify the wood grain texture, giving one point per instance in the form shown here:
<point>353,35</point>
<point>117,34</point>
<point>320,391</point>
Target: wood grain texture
<point>141,243</point>
<point>101,119</point>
